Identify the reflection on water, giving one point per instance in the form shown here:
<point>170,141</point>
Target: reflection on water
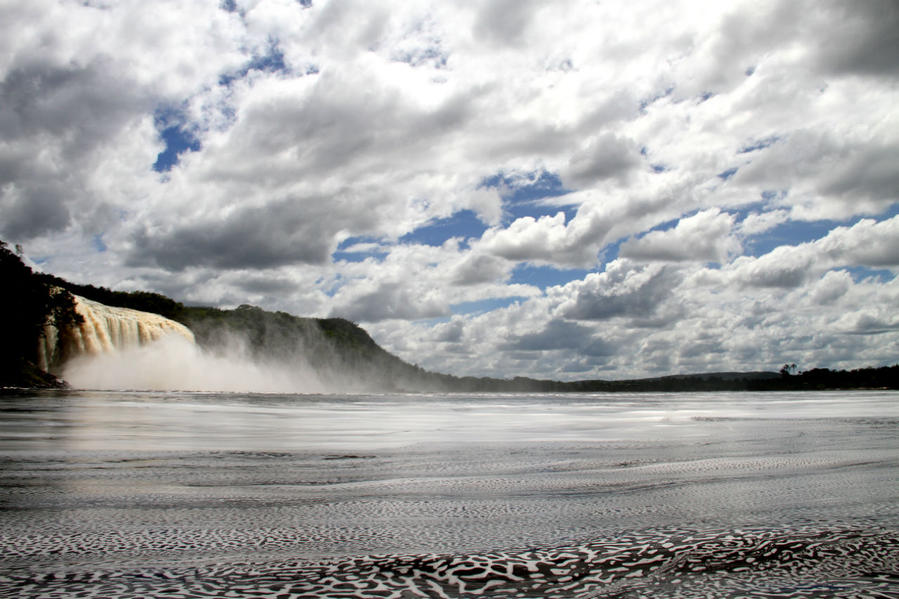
<point>180,421</point>
<point>162,488</point>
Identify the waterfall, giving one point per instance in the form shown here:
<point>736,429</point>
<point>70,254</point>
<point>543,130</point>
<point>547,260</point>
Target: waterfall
<point>104,329</point>
<point>119,348</point>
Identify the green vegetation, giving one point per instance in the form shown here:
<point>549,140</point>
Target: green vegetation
<point>29,303</point>
<point>338,350</point>
<point>144,301</point>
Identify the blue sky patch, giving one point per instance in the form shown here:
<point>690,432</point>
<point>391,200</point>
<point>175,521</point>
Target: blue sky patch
<point>336,285</point>
<point>796,232</point>
<point>789,233</point>
<point>773,194</point>
<point>523,199</point>
<point>725,175</point>
<point>645,103</point>
<point>270,62</point>
<point>433,56</point>
<point>860,273</point>
<point>177,136</point>
<point>464,223</point>
<point>98,244</point>
<point>759,144</point>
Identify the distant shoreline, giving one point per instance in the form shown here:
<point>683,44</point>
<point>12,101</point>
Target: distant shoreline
<point>885,378</point>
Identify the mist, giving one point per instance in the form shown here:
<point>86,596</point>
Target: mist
<point>173,363</point>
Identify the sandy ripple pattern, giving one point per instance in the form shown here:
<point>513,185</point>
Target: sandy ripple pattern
<point>127,496</point>
<point>805,562</point>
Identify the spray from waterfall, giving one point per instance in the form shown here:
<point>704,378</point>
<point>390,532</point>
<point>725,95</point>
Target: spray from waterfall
<point>119,348</point>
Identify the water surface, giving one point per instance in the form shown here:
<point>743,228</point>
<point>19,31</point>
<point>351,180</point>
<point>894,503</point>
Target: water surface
<point>137,494</point>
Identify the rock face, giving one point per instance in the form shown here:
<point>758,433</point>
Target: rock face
<point>103,329</point>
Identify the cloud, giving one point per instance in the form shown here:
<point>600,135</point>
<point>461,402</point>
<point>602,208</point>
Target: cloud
<point>479,268</point>
<point>54,119</point>
<point>623,290</point>
<point>830,288</point>
<point>38,210</point>
<point>419,281</point>
<point>865,40</point>
<point>869,324</point>
<point>605,156</point>
<point>528,238</point>
<point>505,22</point>
<point>831,175</point>
<point>557,334</point>
<point>759,222</point>
<point>867,243</point>
<point>75,84</point>
<point>583,137</point>
<point>573,340</point>
<point>704,236</point>
<point>392,300</point>
<point>290,231</point>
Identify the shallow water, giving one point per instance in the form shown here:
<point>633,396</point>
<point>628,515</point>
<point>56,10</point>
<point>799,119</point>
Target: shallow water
<point>504,495</point>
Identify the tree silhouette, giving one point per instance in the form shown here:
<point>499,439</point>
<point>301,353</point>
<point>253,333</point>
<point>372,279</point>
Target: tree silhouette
<point>28,304</point>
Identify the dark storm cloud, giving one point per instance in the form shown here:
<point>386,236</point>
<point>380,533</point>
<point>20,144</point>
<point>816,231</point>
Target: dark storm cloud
<point>286,232</point>
<point>266,284</point>
<point>53,118</point>
<point>864,37</point>
<point>870,173</point>
<point>35,210</point>
<point>86,103</point>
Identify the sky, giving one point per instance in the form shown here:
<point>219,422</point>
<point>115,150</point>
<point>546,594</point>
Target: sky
<point>570,190</point>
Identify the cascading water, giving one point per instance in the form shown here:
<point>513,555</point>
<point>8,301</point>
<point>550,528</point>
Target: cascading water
<point>104,329</point>
<point>119,348</point>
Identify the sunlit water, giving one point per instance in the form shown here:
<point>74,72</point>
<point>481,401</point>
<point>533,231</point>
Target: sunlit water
<point>142,494</point>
